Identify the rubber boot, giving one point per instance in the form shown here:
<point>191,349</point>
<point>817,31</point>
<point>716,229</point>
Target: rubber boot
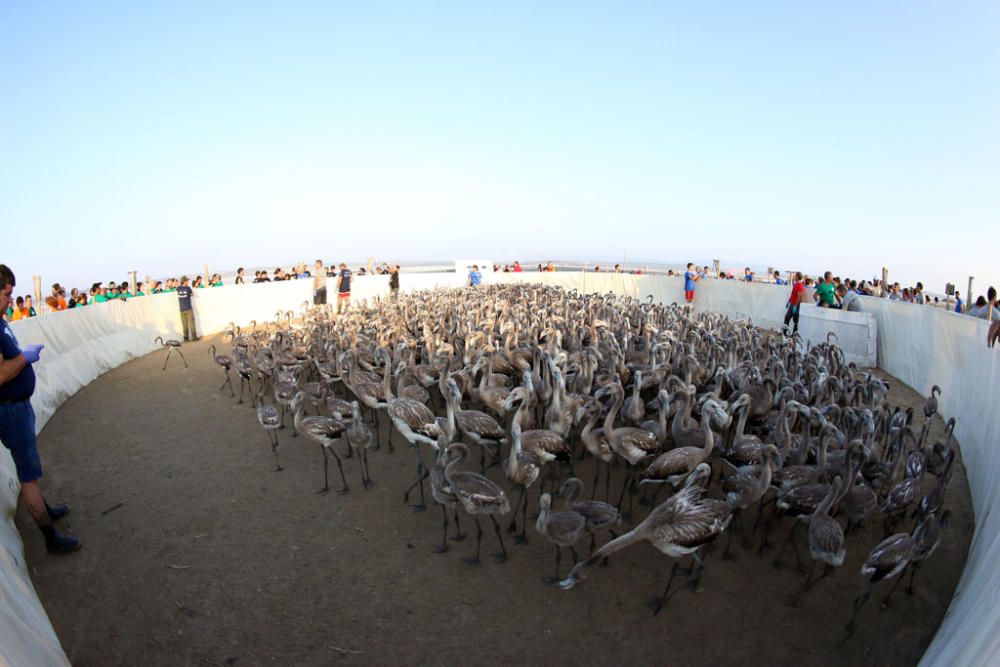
<point>57,512</point>
<point>57,543</point>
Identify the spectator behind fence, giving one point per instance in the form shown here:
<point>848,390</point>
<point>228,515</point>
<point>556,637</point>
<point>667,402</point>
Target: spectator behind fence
<point>958,302</point>
<point>59,294</point>
<point>748,275</point>
<point>184,295</point>
<point>17,426</point>
<point>983,310</point>
<point>777,278</point>
<point>848,299</point>
<point>794,304</point>
<point>993,334</point>
<point>824,295</point>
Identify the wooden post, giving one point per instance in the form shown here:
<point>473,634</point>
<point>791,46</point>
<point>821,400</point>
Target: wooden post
<point>205,274</point>
<point>131,280</point>
<point>968,295</point>
<point>885,281</point>
<point>38,294</point>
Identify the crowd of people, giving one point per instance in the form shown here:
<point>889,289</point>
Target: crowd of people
<point>830,291</point>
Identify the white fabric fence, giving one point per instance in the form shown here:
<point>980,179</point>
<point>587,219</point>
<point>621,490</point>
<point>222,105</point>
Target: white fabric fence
<point>920,346</point>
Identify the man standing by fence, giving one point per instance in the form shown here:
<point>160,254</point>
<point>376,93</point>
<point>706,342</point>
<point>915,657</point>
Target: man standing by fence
<point>343,289</point>
<point>319,284</point>
<point>17,426</point>
<point>794,304</point>
<point>184,296</point>
<point>394,283</point>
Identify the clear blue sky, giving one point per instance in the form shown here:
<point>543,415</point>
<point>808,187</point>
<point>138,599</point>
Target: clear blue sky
<point>163,135</point>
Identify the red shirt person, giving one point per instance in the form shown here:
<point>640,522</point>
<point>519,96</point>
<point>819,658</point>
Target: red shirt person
<point>794,303</point>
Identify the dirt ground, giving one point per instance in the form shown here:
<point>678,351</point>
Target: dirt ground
<point>198,553</point>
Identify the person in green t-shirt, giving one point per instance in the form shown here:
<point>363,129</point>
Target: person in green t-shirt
<point>825,292</point>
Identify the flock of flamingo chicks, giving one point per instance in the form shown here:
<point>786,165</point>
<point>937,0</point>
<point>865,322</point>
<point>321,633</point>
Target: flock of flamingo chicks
<point>730,423</point>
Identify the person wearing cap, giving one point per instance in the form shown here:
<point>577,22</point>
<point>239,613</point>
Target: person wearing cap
<point>184,296</point>
<point>17,426</point>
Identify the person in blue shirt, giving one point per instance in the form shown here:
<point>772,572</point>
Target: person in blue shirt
<point>777,279</point>
<point>748,275</point>
<point>958,302</point>
<point>17,426</point>
<point>691,276</point>
<point>475,277</point>
<point>184,296</point>
<point>343,289</point>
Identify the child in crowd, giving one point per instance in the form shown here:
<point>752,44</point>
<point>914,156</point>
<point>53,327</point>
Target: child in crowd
<point>691,277</point>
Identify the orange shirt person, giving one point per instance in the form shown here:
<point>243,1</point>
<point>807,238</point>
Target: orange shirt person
<point>20,312</point>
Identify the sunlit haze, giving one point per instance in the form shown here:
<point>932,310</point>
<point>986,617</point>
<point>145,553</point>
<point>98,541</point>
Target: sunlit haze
<point>162,136</point>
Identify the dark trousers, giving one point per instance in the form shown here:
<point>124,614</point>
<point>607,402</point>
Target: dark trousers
<point>319,297</point>
<point>187,323</point>
<point>792,314</point>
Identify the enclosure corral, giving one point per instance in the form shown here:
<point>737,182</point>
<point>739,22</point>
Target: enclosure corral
<point>198,552</point>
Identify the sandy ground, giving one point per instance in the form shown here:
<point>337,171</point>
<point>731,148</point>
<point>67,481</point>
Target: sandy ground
<point>198,553</point>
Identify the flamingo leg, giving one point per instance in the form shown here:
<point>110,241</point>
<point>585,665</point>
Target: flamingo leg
<point>551,580</point>
<point>474,560</point>
<point>326,476</point>
<point>459,535</point>
<point>502,556</point>
<point>885,600</point>
<point>858,603</point>
<point>512,527</point>
<point>441,548</point>
<point>657,603</point>
<point>183,359</point>
<point>340,467</point>
<point>913,573</point>
<point>274,450</point>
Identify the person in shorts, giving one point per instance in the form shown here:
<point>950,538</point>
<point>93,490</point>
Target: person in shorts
<point>691,276</point>
<point>17,426</point>
<point>343,289</point>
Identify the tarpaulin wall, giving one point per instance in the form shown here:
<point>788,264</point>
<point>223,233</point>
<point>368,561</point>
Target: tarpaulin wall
<point>920,346</point>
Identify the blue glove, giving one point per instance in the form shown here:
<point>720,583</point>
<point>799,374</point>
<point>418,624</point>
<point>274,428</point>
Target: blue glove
<point>32,352</point>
